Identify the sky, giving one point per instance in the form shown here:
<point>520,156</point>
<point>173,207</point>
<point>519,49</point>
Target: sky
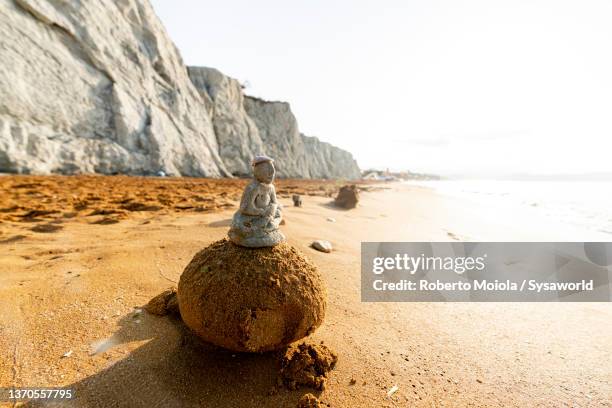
<point>452,87</point>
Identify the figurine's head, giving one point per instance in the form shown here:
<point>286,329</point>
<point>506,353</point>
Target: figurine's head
<point>263,169</point>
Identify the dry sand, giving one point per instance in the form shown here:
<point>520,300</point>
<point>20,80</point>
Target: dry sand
<point>75,288</point>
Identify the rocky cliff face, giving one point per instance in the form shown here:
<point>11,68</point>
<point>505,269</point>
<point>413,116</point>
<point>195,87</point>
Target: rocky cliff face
<point>279,132</point>
<point>237,135</point>
<point>246,126</point>
<point>97,86</point>
<point>328,161</point>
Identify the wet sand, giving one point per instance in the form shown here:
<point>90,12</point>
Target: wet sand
<point>75,288</point>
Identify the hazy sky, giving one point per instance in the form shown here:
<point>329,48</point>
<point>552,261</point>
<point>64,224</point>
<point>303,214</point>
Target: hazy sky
<point>486,87</point>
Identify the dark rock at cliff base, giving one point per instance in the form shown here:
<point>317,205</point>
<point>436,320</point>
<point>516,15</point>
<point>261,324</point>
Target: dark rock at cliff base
<point>347,197</point>
<point>251,299</point>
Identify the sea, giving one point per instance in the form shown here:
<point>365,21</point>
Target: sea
<point>584,204</point>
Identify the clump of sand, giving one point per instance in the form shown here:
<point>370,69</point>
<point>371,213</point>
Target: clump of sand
<point>251,299</point>
<point>166,303</point>
<point>308,401</point>
<point>307,365</point>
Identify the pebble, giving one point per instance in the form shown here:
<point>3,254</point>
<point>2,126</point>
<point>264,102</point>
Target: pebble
<point>323,246</point>
<point>392,391</point>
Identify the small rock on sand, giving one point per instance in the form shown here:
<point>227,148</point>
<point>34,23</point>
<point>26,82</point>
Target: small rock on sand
<point>308,401</point>
<point>297,200</point>
<point>392,391</point>
<point>307,365</point>
<point>164,303</point>
<point>323,246</point>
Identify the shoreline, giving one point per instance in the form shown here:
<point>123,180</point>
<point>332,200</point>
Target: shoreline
<point>82,283</point>
<point>525,223</point>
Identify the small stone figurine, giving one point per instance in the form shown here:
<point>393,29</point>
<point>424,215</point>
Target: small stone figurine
<point>256,222</point>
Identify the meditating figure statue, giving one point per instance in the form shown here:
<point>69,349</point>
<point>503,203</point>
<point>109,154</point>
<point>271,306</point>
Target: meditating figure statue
<point>256,222</point>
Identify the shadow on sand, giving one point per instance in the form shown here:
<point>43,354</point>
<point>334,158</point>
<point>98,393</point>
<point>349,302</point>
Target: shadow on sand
<point>220,223</point>
<point>175,369</point>
<point>332,206</point>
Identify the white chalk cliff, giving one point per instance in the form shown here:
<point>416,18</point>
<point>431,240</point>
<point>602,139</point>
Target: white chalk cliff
<point>98,86</point>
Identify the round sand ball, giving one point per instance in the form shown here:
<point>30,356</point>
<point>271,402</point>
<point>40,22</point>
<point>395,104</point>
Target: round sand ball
<point>251,299</point>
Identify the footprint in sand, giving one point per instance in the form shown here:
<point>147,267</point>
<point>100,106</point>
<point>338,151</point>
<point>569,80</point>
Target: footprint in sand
<point>454,236</point>
<point>106,221</point>
<point>46,228</point>
<point>14,238</point>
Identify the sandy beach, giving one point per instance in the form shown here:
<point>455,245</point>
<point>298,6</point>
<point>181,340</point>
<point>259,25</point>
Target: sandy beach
<point>72,279</point>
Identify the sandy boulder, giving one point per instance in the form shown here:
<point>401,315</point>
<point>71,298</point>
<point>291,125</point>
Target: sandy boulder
<point>251,299</point>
